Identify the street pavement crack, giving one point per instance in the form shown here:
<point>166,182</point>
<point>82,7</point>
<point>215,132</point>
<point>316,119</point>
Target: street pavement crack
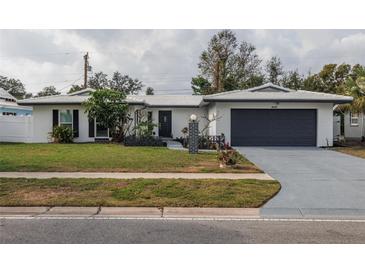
<point>98,211</point>
<point>48,209</point>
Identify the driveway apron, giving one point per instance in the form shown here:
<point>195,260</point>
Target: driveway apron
<point>314,180</point>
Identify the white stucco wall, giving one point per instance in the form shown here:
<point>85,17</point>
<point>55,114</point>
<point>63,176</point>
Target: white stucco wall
<point>324,117</point>
<point>354,132</point>
<point>43,120</point>
<point>180,118</point>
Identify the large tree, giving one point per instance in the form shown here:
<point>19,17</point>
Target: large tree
<point>227,65</point>
<point>48,91</point>
<point>14,86</point>
<point>109,108</point>
<point>149,91</point>
<point>99,81</point>
<point>247,67</point>
<point>292,79</point>
<point>75,88</point>
<point>274,70</point>
<point>201,85</point>
<point>124,83</point>
<point>119,82</point>
<point>331,79</point>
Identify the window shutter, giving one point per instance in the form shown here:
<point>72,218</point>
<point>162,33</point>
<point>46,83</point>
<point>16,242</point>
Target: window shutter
<point>91,127</point>
<point>75,122</point>
<point>55,118</point>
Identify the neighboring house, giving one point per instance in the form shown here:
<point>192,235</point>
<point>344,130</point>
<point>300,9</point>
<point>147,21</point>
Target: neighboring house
<point>267,115</point>
<point>9,106</point>
<point>349,125</point>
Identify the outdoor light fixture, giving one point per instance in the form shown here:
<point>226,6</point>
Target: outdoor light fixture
<point>193,117</point>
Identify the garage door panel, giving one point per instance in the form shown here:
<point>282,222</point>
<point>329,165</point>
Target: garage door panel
<point>273,127</point>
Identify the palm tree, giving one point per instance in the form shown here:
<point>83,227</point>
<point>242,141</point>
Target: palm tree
<point>355,87</point>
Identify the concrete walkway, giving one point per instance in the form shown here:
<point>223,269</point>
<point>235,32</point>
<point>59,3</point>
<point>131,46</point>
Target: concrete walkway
<point>126,175</point>
<point>128,212</point>
<point>174,145</point>
<point>193,213</point>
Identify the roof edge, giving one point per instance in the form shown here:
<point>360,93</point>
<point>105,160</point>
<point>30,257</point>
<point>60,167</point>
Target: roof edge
<point>340,101</point>
<point>253,89</point>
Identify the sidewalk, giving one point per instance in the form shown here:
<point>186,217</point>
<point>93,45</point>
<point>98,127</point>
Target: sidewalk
<point>126,175</point>
<point>193,213</point>
<point>128,212</point>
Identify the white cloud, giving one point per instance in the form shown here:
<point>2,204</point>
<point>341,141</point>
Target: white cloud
<point>163,59</point>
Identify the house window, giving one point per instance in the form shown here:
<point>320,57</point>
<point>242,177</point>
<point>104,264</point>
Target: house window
<point>66,118</point>
<point>101,131</point>
<point>354,119</point>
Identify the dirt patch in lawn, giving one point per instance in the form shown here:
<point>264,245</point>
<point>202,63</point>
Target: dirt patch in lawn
<point>358,151</point>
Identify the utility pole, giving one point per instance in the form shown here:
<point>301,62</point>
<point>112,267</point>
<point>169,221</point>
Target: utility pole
<point>86,67</point>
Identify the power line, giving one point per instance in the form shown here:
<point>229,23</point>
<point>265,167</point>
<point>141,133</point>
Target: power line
<point>53,82</point>
<point>59,90</point>
<point>40,54</point>
<point>182,89</point>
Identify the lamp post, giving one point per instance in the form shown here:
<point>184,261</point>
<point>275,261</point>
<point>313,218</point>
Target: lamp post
<point>193,134</point>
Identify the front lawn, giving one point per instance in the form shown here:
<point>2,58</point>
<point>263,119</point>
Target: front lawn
<point>109,158</point>
<point>358,151</point>
<point>136,192</point>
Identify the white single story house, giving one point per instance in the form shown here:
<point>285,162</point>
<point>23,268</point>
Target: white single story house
<point>9,106</point>
<point>350,125</point>
<point>267,115</point>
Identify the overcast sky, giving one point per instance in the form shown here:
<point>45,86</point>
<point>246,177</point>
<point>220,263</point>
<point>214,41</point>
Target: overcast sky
<point>163,59</point>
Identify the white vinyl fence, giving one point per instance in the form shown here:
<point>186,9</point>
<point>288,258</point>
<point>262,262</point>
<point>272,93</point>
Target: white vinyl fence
<point>16,128</point>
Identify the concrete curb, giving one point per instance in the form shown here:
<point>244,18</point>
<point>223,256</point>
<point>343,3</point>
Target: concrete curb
<point>312,213</point>
<point>129,212</point>
<point>181,213</point>
<point>128,175</point>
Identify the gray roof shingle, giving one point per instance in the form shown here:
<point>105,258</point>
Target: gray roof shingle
<point>271,92</point>
<point>264,93</point>
<point>147,100</point>
<point>6,95</point>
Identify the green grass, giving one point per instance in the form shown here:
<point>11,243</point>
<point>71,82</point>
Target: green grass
<point>136,192</point>
<point>109,158</point>
<point>358,151</point>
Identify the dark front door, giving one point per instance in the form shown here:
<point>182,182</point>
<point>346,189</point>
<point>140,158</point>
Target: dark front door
<point>164,120</point>
<point>273,127</point>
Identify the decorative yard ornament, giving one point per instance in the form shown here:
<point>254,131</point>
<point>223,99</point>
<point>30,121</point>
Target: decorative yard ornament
<point>193,135</point>
<point>193,117</point>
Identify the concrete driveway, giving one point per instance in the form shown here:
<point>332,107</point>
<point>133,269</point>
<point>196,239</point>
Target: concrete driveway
<point>314,181</point>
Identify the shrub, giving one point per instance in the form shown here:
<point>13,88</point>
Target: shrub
<point>62,134</point>
<point>145,128</point>
<point>229,156</point>
<point>143,141</point>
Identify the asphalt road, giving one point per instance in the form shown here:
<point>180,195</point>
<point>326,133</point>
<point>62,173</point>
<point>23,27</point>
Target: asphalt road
<point>177,231</point>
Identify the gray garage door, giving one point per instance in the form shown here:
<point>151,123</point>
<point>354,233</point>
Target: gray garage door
<point>273,127</point>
